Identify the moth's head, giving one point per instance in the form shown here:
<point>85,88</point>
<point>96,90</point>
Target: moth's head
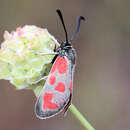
<point>67,43</point>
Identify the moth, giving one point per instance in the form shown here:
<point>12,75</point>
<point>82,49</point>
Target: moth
<point>56,95</point>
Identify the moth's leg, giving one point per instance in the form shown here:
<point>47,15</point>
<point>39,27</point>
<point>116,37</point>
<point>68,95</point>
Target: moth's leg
<point>42,54</point>
<point>55,48</point>
<point>43,78</point>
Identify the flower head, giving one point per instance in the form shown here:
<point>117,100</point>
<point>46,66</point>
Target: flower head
<point>19,64</point>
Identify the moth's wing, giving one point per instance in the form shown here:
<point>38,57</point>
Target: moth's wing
<point>57,91</point>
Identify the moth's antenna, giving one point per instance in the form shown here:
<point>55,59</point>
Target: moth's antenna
<point>78,26</point>
<point>62,21</point>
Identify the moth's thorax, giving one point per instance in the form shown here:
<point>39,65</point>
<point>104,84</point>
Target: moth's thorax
<point>69,52</point>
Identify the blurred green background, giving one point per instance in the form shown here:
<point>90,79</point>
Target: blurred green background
<point>102,78</point>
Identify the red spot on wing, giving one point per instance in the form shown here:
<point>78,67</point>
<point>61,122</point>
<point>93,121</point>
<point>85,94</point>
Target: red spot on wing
<point>52,79</point>
<point>60,87</point>
<point>60,64</point>
<point>48,104</point>
<point>70,85</point>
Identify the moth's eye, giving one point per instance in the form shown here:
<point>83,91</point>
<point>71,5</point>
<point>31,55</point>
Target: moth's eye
<point>63,44</point>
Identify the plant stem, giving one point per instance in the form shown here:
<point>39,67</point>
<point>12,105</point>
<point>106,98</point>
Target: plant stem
<point>80,117</point>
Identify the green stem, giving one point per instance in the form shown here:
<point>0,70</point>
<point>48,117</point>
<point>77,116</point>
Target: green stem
<point>80,117</point>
